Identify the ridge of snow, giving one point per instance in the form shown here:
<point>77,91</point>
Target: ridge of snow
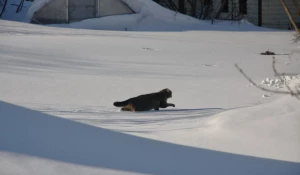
<point>46,142</point>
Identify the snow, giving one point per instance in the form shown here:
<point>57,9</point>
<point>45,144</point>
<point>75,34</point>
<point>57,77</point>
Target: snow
<point>49,140</point>
<point>152,17</point>
<point>280,82</point>
<point>58,86</point>
<point>139,22</point>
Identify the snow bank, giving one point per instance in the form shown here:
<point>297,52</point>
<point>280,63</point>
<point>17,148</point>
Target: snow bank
<point>273,128</point>
<point>149,16</point>
<point>56,144</point>
<point>76,75</point>
<point>280,82</point>
<point>150,8</point>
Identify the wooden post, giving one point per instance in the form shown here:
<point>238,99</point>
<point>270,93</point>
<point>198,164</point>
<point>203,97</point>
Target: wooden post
<point>3,7</point>
<point>181,6</point>
<point>297,7</point>
<point>221,8</point>
<point>290,17</point>
<point>259,13</point>
<point>67,11</point>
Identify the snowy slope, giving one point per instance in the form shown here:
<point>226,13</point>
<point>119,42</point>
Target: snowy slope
<point>221,124</point>
<point>36,143</point>
<point>58,86</point>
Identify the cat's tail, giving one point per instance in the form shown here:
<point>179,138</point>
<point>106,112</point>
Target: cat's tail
<point>121,104</point>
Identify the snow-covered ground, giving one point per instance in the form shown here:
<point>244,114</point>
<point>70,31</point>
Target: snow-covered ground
<point>58,86</point>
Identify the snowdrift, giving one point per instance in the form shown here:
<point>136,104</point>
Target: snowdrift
<point>149,16</point>
<point>27,132</point>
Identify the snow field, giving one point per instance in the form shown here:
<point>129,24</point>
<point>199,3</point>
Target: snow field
<point>58,86</point>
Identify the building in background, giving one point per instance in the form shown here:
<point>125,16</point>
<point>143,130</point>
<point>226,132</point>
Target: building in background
<point>271,14</point>
<point>266,13</point>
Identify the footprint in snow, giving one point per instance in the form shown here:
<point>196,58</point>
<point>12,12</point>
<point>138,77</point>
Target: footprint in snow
<point>148,48</point>
<point>208,65</point>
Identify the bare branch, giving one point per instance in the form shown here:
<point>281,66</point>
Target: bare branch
<point>20,6</point>
<point>297,95</point>
<point>3,6</point>
<point>280,77</point>
<point>297,37</point>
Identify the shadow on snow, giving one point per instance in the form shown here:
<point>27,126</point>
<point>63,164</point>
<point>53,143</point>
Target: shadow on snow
<point>29,132</point>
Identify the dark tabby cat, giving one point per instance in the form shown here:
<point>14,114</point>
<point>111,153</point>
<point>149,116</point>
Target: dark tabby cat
<point>147,102</point>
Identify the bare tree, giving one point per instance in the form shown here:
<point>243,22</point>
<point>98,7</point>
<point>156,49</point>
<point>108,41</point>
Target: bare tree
<point>181,6</point>
<point>20,6</point>
<point>3,4</point>
<point>193,4</point>
<point>293,92</point>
